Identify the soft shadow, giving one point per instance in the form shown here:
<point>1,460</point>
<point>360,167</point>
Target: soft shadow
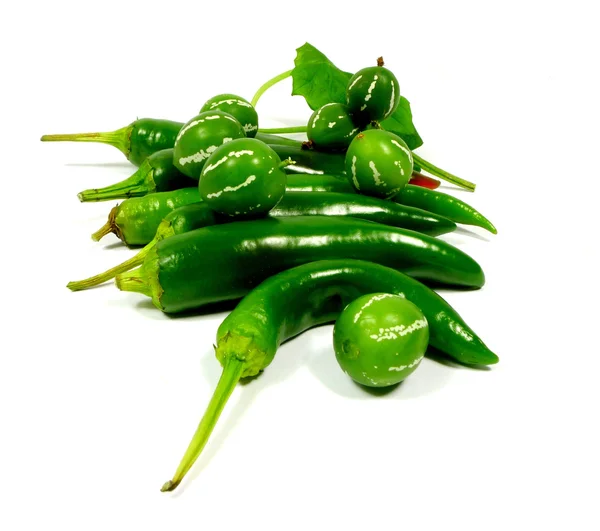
<point>378,391</point>
<point>472,234</point>
<point>443,286</point>
<point>147,304</point>
<point>115,245</point>
<point>427,379</point>
<point>100,164</point>
<point>234,412</point>
<point>207,309</point>
<point>225,427</point>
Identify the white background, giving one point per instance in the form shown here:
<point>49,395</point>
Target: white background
<point>100,392</point>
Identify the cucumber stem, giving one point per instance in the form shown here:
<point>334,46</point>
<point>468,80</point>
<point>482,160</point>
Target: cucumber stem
<point>134,186</point>
<point>118,138</point>
<point>277,130</point>
<point>108,227</point>
<point>266,86</point>
<point>109,274</point>
<point>442,174</point>
<point>232,372</point>
<point>135,281</point>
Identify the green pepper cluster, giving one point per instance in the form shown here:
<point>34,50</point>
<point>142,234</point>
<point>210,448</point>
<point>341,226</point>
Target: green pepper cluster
<point>341,228</point>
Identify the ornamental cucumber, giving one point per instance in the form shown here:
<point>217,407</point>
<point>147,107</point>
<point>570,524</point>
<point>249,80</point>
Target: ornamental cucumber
<point>331,127</point>
<point>202,135</point>
<point>241,109</point>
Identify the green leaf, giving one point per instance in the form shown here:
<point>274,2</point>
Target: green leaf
<point>401,124</point>
<point>317,79</point>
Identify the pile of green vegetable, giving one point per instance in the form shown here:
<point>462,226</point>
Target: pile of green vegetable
<point>340,228</point>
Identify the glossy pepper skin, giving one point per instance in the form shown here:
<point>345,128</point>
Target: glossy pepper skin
<point>156,174</point>
<point>362,207</point>
<point>197,215</point>
<point>135,220</point>
<point>149,136</point>
<point>315,293</point>
<point>224,262</point>
<point>416,196</point>
<point>129,222</point>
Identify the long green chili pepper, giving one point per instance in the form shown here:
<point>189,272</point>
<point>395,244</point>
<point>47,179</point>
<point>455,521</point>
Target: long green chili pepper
<point>156,174</point>
<point>143,137</point>
<point>297,299</point>
<point>137,141</point>
<point>416,196</point>
<point>135,220</point>
<point>224,262</point>
<point>198,215</point>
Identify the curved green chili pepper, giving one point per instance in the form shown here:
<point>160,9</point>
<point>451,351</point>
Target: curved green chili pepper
<point>224,262</point>
<point>297,299</point>
<point>198,215</point>
<point>156,174</point>
<point>416,196</point>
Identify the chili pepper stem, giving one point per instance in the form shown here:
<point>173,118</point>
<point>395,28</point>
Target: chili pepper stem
<point>443,174</point>
<point>135,281</point>
<point>232,372</point>
<point>109,274</point>
<point>118,138</point>
<point>108,227</point>
<point>266,86</point>
<point>133,186</point>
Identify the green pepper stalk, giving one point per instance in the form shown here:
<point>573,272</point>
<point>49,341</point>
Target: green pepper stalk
<point>233,369</point>
<point>156,174</point>
<point>297,299</point>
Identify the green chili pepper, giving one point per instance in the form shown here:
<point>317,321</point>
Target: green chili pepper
<point>137,141</point>
<point>135,220</point>
<point>156,174</point>
<point>224,262</point>
<point>310,295</point>
<point>416,196</point>
<point>198,215</point>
